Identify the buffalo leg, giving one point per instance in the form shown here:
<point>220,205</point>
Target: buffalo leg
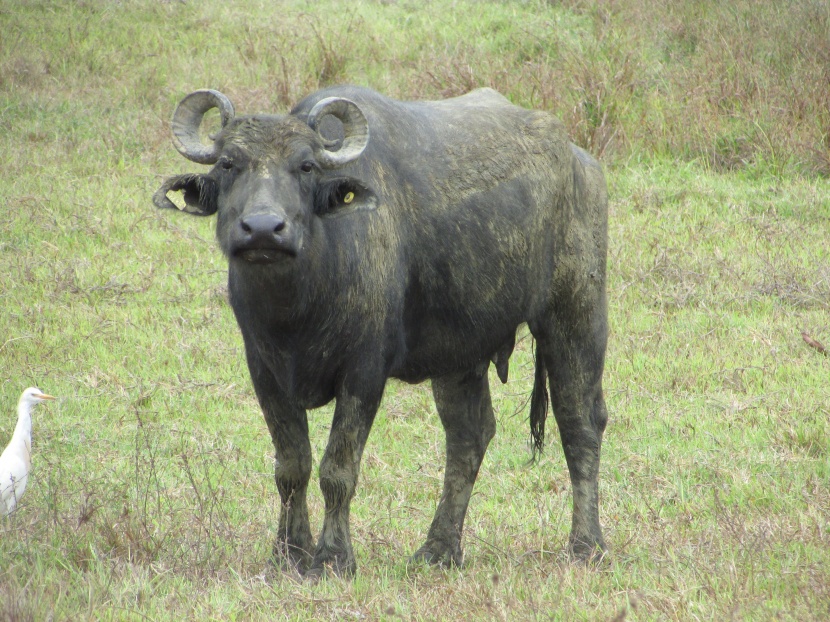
<point>574,351</point>
<point>353,417</point>
<point>463,402</point>
<point>289,433</point>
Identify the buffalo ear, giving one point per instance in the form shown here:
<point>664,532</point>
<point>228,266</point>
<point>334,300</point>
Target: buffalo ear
<point>343,195</point>
<point>200,194</point>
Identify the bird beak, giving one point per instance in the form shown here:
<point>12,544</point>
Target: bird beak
<point>43,396</point>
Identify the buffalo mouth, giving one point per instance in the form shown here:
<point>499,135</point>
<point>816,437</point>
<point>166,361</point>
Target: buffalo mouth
<point>265,254</point>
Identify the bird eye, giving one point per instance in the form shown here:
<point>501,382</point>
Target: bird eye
<point>307,166</point>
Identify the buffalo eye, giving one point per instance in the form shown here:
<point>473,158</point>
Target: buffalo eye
<point>226,164</point>
<point>307,166</point>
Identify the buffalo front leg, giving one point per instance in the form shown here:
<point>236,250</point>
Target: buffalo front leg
<point>353,417</point>
<point>463,403</point>
<point>288,426</point>
<point>292,470</point>
<point>574,353</point>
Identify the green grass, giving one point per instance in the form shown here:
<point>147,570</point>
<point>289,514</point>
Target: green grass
<point>152,495</point>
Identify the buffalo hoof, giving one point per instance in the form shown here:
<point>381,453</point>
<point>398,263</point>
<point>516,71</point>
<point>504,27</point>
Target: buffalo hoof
<point>289,558</point>
<point>435,557</point>
<point>587,550</point>
<point>342,569</point>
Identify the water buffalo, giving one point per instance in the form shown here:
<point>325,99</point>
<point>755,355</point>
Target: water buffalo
<point>369,238</point>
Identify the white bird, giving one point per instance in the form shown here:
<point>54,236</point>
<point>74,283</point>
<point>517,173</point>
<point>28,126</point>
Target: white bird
<point>16,459</point>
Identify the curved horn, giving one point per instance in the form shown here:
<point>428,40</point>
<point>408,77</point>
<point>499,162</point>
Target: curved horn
<point>187,119</point>
<point>355,130</point>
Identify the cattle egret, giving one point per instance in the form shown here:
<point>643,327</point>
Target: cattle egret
<point>17,457</point>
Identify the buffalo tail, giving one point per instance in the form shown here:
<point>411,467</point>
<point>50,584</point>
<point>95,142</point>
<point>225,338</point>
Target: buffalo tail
<point>538,405</point>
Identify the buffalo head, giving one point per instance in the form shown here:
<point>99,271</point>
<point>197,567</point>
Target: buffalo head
<point>272,175</point>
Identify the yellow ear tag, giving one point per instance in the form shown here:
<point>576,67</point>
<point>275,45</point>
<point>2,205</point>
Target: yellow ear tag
<point>349,197</point>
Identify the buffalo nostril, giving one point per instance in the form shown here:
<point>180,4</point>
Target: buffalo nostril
<point>262,224</point>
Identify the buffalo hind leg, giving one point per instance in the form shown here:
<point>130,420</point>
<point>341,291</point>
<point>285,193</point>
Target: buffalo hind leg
<point>573,350</point>
<point>463,403</point>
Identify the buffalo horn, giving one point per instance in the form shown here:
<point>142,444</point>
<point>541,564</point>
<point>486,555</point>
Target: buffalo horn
<point>187,119</point>
<point>355,130</point>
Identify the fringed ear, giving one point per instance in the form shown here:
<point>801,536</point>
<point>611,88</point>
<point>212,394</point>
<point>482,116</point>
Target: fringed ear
<point>200,194</point>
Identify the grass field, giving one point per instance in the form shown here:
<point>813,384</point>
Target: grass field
<point>152,493</point>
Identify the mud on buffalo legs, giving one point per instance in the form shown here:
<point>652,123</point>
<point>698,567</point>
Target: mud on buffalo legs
<point>463,402</point>
<point>574,357</point>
